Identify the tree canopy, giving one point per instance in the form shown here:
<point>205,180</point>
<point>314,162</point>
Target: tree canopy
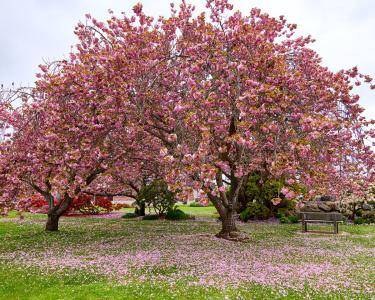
<point>202,99</point>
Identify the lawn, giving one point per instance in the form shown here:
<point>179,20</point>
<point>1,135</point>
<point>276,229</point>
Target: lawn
<point>198,212</point>
<point>102,258</point>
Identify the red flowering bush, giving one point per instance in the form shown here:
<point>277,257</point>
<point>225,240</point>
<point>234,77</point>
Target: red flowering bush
<point>34,204</point>
<point>85,204</point>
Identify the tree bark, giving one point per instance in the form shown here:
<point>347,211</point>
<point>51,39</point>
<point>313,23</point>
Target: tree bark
<point>226,207</point>
<point>52,222</point>
<point>55,212</point>
<point>140,209</point>
<point>228,225</point>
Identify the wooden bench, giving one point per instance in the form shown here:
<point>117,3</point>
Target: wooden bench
<point>321,217</point>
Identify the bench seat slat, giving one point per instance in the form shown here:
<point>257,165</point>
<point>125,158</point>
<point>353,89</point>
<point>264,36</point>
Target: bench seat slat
<point>321,216</point>
<point>319,221</point>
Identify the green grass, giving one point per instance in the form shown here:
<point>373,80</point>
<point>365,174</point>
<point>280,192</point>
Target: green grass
<point>204,212</point>
<point>186,249</point>
<point>15,285</point>
<point>207,211</point>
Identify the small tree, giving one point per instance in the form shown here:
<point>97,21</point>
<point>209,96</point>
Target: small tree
<point>157,196</point>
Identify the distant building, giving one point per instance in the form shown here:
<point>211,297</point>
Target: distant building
<point>122,200</point>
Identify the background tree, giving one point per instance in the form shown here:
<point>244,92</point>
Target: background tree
<point>65,136</point>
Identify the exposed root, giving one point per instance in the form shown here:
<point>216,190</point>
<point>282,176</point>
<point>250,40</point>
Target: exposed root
<point>235,236</point>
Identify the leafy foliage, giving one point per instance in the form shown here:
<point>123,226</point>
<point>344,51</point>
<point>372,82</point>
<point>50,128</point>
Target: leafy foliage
<point>129,215</point>
<point>261,191</point>
<point>195,204</point>
<point>286,219</point>
<point>83,203</point>
<point>255,210</point>
<point>176,214</point>
<point>268,193</point>
<point>88,204</point>
<point>359,221</point>
<point>157,196</point>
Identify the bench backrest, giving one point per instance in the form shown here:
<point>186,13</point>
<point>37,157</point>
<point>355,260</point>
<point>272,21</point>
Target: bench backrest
<point>315,216</point>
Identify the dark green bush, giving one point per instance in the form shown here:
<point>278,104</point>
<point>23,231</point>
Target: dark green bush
<point>176,214</point>
<point>256,188</point>
<point>258,210</point>
<point>157,196</point>
<point>284,220</point>
<point>244,215</point>
<point>150,217</point>
<point>287,207</point>
<point>129,216</point>
<point>283,211</point>
<point>260,188</point>
<point>359,221</point>
<point>287,219</point>
<point>293,219</point>
<point>255,210</point>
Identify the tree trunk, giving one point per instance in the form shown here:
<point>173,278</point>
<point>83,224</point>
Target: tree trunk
<point>52,222</point>
<point>140,209</point>
<point>228,225</point>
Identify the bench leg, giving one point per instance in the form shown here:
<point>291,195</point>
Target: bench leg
<point>336,227</point>
<point>304,226</point>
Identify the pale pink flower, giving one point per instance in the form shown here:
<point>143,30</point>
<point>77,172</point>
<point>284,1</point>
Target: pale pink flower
<point>276,201</point>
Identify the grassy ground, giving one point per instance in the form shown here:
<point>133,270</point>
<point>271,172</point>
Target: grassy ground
<point>204,212</point>
<point>92,258</point>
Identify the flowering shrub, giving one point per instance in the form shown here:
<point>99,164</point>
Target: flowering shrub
<point>34,204</point>
<point>88,204</point>
<point>85,204</point>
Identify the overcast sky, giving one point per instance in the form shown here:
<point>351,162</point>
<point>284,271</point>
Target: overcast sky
<point>35,30</point>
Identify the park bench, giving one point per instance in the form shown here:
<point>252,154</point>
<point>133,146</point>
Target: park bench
<point>321,217</point>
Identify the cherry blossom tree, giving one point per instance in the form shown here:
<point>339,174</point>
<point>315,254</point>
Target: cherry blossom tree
<point>127,177</point>
<point>64,137</point>
<point>210,98</point>
<point>239,94</point>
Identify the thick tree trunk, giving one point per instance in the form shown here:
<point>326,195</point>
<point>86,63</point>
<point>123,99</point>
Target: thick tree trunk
<point>228,225</point>
<point>226,206</point>
<point>55,212</point>
<point>52,222</point>
<point>140,209</point>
